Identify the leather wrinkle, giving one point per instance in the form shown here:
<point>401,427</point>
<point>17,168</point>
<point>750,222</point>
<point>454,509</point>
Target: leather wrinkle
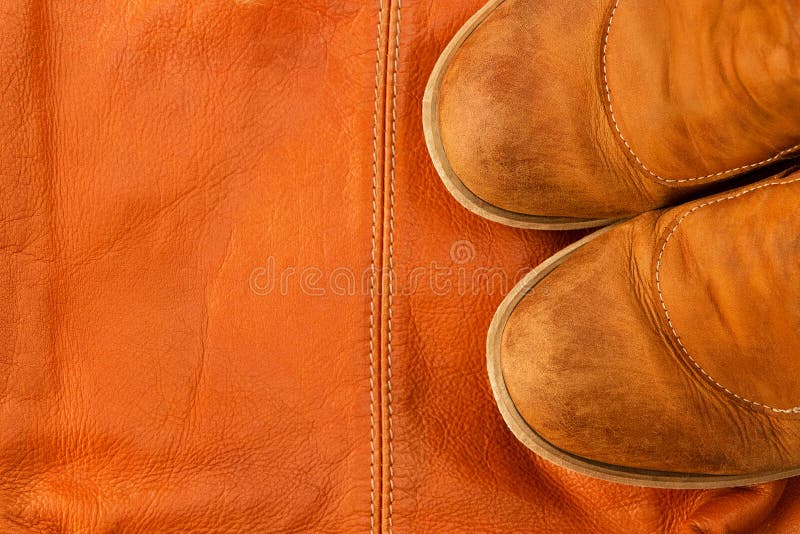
<point>697,365</point>
<point>690,135</point>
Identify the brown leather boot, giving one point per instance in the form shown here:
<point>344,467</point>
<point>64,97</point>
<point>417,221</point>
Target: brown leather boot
<point>665,350</point>
<point>567,113</point>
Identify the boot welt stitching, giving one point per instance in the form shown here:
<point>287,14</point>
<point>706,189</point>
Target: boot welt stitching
<point>695,363</point>
<point>633,152</point>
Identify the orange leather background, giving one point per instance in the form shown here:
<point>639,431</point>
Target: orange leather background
<point>234,296</point>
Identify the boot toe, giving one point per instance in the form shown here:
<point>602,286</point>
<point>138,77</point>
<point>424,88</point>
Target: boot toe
<point>586,365</point>
<point>519,122</point>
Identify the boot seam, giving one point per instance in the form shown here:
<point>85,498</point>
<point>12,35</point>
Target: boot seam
<point>665,309</point>
<point>630,149</point>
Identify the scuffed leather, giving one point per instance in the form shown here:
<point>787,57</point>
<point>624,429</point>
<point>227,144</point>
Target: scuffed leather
<point>156,155</point>
<point>606,109</point>
<point>663,343</point>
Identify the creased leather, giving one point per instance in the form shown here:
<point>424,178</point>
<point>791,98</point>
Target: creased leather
<point>703,90</point>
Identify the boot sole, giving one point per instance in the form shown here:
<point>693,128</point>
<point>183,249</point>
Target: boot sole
<point>528,436</point>
<point>430,123</point>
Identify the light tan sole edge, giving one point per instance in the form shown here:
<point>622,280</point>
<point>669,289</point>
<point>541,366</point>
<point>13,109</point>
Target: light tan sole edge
<point>536,443</point>
<point>430,125</point>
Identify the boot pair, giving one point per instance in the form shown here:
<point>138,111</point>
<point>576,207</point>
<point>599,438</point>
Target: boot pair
<point>663,349</point>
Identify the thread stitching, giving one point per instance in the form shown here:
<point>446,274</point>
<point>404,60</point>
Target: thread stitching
<point>694,362</point>
<point>391,269</point>
<point>633,152</point>
<point>373,276</point>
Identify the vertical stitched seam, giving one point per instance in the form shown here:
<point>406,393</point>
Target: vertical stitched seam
<point>373,274</point>
<point>630,148</point>
<point>694,362</point>
<point>391,268</point>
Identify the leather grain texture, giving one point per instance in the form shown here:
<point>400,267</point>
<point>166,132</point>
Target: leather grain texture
<point>210,215</point>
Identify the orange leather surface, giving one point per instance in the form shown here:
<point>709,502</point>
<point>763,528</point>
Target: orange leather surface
<point>202,327</point>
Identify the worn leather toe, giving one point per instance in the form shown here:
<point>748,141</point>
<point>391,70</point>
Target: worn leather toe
<point>645,349</point>
<point>608,109</point>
